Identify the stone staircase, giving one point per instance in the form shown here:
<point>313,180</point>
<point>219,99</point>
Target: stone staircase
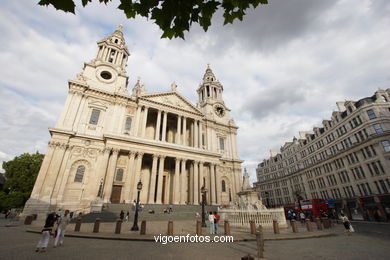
<point>110,212</point>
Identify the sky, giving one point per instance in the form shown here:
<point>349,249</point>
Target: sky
<point>283,68</point>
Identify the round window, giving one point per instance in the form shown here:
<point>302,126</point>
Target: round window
<point>106,75</point>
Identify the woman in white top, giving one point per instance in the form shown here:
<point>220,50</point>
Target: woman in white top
<point>211,219</point>
<point>346,223</point>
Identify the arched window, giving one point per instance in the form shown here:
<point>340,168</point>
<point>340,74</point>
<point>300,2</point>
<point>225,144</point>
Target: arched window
<point>79,174</point>
<point>119,175</point>
<point>223,186</point>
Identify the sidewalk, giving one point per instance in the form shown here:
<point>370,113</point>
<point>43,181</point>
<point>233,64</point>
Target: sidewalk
<point>107,231</point>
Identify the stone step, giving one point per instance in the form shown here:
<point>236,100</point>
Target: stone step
<point>111,212</point>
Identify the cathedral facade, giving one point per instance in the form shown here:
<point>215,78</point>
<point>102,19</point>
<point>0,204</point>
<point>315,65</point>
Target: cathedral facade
<point>107,140</point>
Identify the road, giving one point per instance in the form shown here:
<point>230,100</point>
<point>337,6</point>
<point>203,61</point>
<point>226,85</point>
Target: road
<point>371,241</point>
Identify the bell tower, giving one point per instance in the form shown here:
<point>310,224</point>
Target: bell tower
<point>107,71</point>
<point>210,91</point>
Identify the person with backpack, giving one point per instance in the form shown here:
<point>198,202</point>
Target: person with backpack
<point>46,232</point>
<point>216,221</point>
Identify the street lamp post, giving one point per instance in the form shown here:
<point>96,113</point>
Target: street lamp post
<point>135,225</point>
<point>299,198</point>
<point>267,198</point>
<point>203,190</point>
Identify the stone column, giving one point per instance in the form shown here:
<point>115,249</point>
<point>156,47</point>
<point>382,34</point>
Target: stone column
<point>196,134</point>
<point>137,119</point>
<point>128,184</point>
<point>184,130</point>
<point>192,133</point>
<point>164,130</point>
<point>43,171</point>
<point>178,132</point>
<point>176,193</point>
<point>110,175</point>
<point>160,180</point>
<point>196,183</point>
<point>158,126</point>
<point>145,120</point>
<point>212,184</point>
<point>137,174</point>
<point>201,135</point>
<point>201,169</point>
<point>191,183</point>
<point>218,186</point>
<point>183,192</point>
<point>62,178</point>
<point>153,180</point>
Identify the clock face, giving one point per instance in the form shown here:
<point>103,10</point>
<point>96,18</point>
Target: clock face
<point>219,110</point>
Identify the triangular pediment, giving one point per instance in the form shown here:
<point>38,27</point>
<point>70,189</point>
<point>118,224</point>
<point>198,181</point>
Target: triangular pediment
<point>172,99</point>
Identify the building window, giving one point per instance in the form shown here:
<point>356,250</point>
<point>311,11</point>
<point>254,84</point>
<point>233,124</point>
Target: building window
<point>371,114</point>
<point>119,175</point>
<point>128,125</point>
<point>223,186</point>
<point>221,144</point>
<point>79,174</point>
<point>386,145</point>
<point>94,117</point>
<point>378,128</point>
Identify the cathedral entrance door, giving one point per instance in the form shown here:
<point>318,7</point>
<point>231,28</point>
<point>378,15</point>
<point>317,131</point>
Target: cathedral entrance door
<point>116,194</point>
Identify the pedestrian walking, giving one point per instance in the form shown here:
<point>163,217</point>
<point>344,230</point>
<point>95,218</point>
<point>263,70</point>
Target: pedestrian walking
<point>216,220</point>
<point>211,219</point>
<point>347,224</point>
<point>62,224</point>
<point>127,216</point>
<point>46,232</point>
<point>122,215</point>
<point>302,217</point>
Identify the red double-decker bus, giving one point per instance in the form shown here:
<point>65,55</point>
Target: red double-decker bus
<point>313,207</point>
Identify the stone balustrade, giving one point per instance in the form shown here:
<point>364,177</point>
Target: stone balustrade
<point>240,217</point>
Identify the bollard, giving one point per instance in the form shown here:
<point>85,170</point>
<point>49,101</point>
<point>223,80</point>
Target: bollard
<point>96,226</point>
<point>78,225</point>
<point>260,242</point>
<point>143,227</point>
<point>226,226</point>
<point>326,222</point>
<point>294,226</point>
<point>28,220</point>
<point>247,257</point>
<point>170,228</point>
<point>276,227</point>
<point>253,227</point>
<point>118,226</point>
<point>319,225</point>
<point>309,225</point>
<point>198,228</point>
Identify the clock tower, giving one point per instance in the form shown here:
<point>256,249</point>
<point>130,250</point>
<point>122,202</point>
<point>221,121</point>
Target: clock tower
<point>210,98</point>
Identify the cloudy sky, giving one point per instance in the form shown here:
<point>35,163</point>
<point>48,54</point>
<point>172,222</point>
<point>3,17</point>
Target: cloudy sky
<point>283,68</point>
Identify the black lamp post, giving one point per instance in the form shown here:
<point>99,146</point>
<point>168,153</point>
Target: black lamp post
<point>135,225</point>
<point>299,198</point>
<point>267,198</point>
<point>203,191</point>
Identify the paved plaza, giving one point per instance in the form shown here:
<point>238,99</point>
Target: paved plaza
<point>371,241</point>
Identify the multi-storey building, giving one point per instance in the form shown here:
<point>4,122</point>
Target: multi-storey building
<point>107,140</point>
<point>345,161</point>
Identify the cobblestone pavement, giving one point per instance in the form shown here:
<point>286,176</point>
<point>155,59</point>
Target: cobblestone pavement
<point>15,243</point>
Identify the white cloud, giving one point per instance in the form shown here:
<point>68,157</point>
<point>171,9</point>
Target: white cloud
<point>283,68</point>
